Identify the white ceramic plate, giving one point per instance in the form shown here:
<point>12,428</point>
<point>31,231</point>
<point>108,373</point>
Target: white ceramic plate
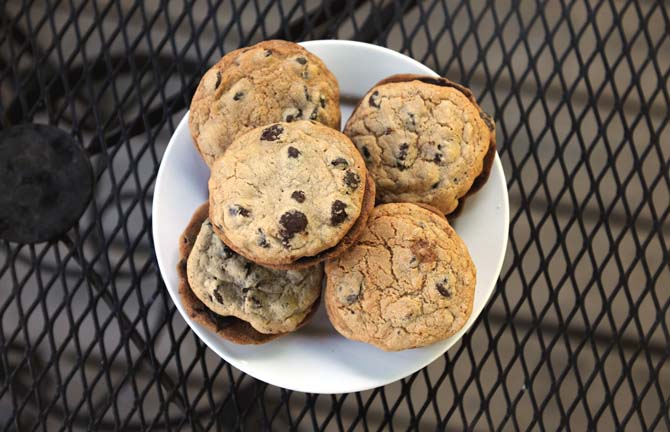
<point>316,359</point>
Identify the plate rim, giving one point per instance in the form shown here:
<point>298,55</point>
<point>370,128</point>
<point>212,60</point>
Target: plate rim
<point>239,364</point>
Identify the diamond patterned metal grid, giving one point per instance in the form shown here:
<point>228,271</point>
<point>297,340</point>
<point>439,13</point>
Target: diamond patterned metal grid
<point>576,335</point>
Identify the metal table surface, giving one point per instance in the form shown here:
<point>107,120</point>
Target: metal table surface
<point>576,335</point>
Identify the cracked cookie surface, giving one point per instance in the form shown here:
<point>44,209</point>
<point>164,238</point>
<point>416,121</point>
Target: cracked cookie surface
<point>268,82</point>
<point>271,301</point>
<point>407,283</point>
<point>286,191</point>
<point>424,140</point>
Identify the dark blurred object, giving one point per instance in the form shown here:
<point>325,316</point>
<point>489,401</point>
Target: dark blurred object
<point>46,183</point>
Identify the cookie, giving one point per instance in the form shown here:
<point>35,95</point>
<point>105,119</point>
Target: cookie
<point>408,282</point>
<point>206,268</point>
<point>268,82</point>
<point>287,194</point>
<point>424,139</point>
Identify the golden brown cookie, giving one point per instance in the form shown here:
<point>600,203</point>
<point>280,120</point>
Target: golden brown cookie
<point>408,282</point>
<point>283,194</point>
<point>228,327</point>
<point>268,82</point>
<point>424,139</point>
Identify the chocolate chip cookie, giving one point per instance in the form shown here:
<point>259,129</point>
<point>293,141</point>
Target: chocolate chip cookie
<point>268,82</point>
<point>290,194</point>
<point>407,283</point>
<point>424,139</point>
<point>238,299</point>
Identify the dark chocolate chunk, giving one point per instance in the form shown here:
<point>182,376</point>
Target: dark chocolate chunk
<point>374,99</point>
<point>237,209</point>
<point>293,152</point>
<point>402,155</point>
<point>267,53</point>
<point>442,288</point>
<point>294,115</point>
<point>352,179</point>
<point>438,158</point>
<point>435,185</point>
<point>262,239</point>
<point>255,302</point>
<point>218,296</point>
<point>292,222</point>
<point>314,114</point>
<point>239,95</point>
<point>301,60</point>
<point>439,146</point>
<point>307,96</point>
<point>340,162</point>
<point>226,252</point>
<point>366,152</point>
<point>322,101</point>
<point>412,118</point>
<point>209,297</point>
<point>351,298</point>
<point>337,213</point>
<point>271,133</point>
<point>388,131</point>
<point>247,269</point>
<point>298,196</point>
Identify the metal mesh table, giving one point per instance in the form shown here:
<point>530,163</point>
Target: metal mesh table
<point>576,335</point>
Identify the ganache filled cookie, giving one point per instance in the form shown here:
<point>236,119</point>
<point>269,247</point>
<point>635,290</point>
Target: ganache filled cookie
<point>269,82</point>
<point>408,282</point>
<point>424,139</point>
<point>289,195</point>
<point>241,301</point>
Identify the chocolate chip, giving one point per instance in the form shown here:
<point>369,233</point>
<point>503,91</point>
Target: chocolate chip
<point>218,296</point>
<point>439,146</point>
<point>294,115</point>
<point>218,80</point>
<point>255,302</point>
<point>388,131</point>
<point>237,209</point>
<point>374,99</point>
<point>262,239</point>
<point>314,114</point>
<point>301,60</point>
<point>298,196</point>
<point>400,166</point>
<point>351,298</point>
<point>227,252</point>
<point>322,101</point>
<point>337,213</point>
<point>247,269</point>
<point>442,288</point>
<point>209,297</point>
<point>245,290</point>
<point>271,133</point>
<point>339,163</point>
<point>292,222</point>
<point>239,95</point>
<point>438,158</point>
<point>293,152</point>
<point>267,53</point>
<point>402,155</point>
<point>307,96</point>
<point>366,152</point>
<point>352,179</point>
<point>435,185</point>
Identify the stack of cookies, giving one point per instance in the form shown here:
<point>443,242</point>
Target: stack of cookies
<point>290,196</point>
